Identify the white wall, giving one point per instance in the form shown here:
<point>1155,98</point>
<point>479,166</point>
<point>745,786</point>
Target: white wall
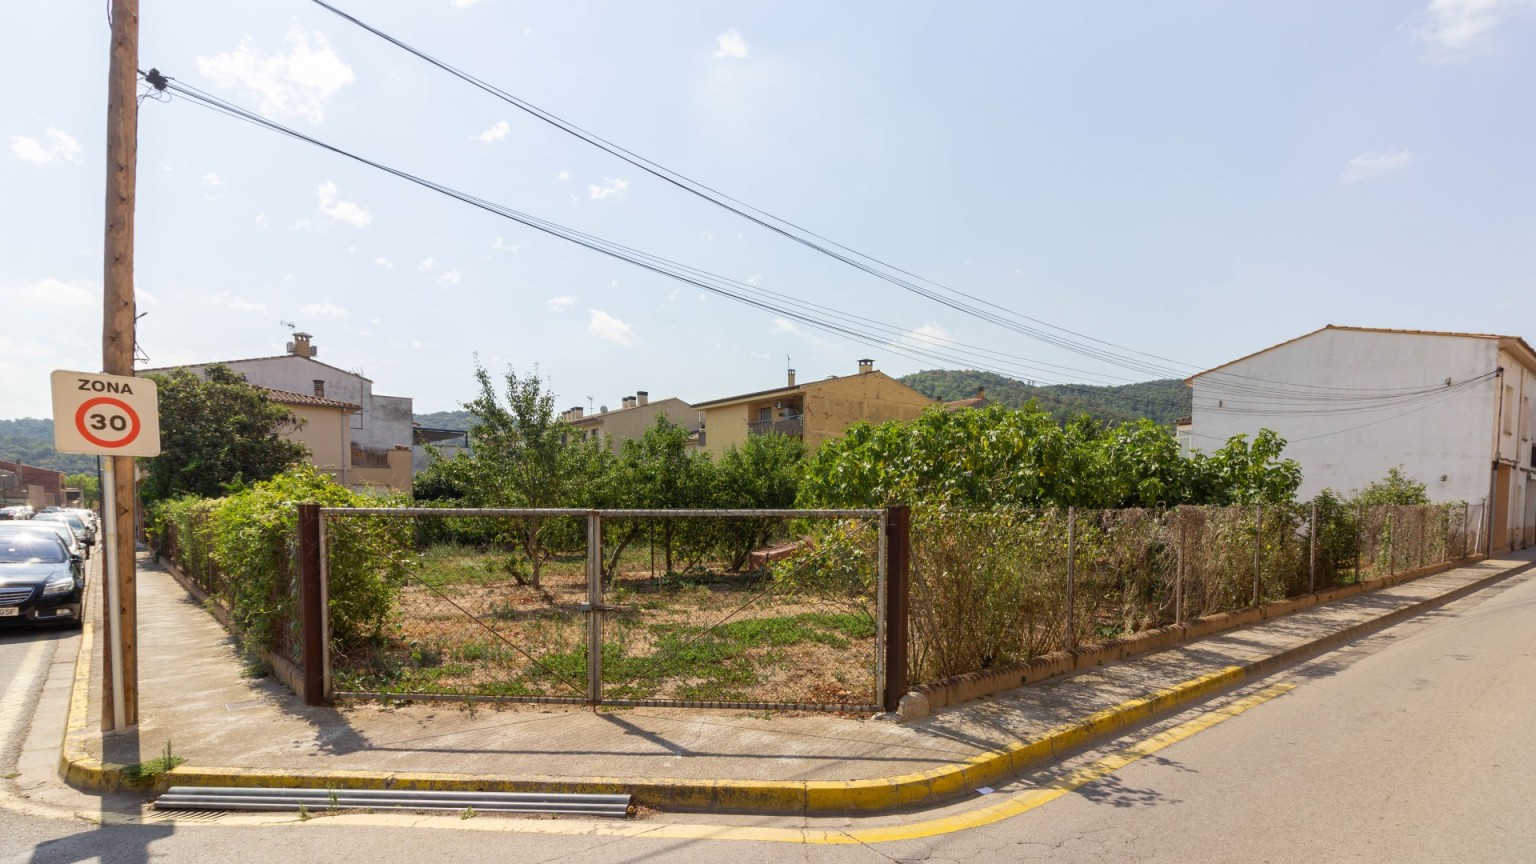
<point>1345,445</point>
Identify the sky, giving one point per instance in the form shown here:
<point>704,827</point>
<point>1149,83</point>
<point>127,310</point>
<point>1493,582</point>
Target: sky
<point>1193,180</point>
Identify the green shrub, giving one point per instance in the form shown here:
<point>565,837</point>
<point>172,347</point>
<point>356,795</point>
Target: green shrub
<point>251,539</point>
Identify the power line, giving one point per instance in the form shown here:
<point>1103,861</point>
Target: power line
<point>840,324</point>
<point>939,293</point>
<point>827,319</point>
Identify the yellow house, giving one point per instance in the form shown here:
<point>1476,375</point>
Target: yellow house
<point>815,411</point>
<point>325,427</point>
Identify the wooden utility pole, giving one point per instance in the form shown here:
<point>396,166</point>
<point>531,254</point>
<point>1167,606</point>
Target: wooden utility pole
<point>120,683</point>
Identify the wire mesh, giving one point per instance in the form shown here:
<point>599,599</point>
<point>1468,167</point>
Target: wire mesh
<point>483,606</point>
<point>729,608</point>
<point>711,608</point>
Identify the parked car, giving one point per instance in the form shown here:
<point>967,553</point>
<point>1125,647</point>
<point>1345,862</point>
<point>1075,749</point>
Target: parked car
<point>40,582</point>
<point>16,512</point>
<point>87,532</point>
<point>62,530</point>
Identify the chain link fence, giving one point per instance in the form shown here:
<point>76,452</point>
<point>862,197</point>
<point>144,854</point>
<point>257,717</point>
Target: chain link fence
<point>754,609</point>
<point>995,588</point>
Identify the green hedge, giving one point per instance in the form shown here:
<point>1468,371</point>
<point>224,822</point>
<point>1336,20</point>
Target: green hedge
<point>243,549</point>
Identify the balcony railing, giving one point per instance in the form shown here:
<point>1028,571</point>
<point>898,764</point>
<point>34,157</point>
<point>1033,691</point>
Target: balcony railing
<point>787,426</point>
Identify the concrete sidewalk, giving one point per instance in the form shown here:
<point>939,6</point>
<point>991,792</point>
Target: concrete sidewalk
<point>236,730</point>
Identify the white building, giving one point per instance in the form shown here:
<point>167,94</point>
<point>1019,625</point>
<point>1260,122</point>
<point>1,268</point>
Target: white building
<point>381,427</point>
<point>1453,409</point>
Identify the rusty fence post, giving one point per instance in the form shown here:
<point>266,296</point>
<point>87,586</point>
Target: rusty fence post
<point>1069,635</point>
<point>311,606</point>
<point>1312,552</point>
<point>1258,553</point>
<point>898,583</point>
<point>1178,584</point>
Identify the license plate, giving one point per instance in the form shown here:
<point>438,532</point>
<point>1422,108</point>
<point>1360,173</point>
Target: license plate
<point>10,612</point>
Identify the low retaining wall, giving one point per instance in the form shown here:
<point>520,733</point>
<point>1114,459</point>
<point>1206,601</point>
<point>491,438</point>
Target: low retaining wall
<point>283,669</point>
<point>927,698</point>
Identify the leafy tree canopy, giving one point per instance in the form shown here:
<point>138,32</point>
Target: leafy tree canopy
<point>1395,488</point>
<point>217,432</point>
<point>1002,457</point>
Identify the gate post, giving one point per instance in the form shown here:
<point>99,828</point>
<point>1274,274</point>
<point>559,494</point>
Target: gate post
<point>594,607</point>
<point>898,566</point>
<point>311,606</point>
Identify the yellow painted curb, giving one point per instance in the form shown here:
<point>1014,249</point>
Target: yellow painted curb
<point>782,797</point>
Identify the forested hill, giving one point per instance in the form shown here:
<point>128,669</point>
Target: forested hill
<point>30,440</point>
<point>446,419</point>
<point>1163,401</point>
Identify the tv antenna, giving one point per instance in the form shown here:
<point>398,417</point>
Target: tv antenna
<point>289,324</point>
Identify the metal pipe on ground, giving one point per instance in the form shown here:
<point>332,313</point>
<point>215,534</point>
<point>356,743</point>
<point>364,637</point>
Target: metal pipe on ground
<point>322,800</point>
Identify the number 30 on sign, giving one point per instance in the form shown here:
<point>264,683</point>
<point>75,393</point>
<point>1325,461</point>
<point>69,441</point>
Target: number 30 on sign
<point>110,415</point>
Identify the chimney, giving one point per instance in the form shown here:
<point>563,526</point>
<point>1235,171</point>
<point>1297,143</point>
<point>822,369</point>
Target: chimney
<point>577,412</point>
<point>320,387</point>
<point>866,366</point>
<point>642,397</point>
<point>791,378</point>
<point>300,346</point>
<point>629,402</point>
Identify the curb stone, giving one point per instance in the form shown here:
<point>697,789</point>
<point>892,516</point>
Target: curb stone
<point>772,797</point>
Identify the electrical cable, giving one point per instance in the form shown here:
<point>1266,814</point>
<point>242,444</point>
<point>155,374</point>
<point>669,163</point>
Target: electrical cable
<point>1003,316</point>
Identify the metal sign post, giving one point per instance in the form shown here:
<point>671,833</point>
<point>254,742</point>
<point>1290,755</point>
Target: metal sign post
<point>116,416</point>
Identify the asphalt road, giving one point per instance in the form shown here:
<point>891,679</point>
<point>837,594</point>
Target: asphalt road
<point>1411,746</point>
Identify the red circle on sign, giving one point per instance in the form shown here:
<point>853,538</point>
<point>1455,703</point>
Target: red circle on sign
<point>133,419</point>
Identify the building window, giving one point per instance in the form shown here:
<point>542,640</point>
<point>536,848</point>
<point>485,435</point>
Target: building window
<point>1509,410</point>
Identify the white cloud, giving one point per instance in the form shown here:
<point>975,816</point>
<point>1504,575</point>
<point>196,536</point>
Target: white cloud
<point>755,279</point>
<point>327,310</point>
<point>342,211</point>
<point>502,246</point>
<point>731,45</point>
<point>427,265</point>
<point>213,181</point>
<point>302,225</point>
<point>1456,28</point>
<point>451,276</point>
<point>563,176</point>
<point>241,305</point>
<point>299,81</point>
<point>612,189</point>
<point>52,294</point>
<point>781,326</point>
<point>605,326</point>
<point>385,263</point>
<point>57,146</point>
<point>495,133</point>
<point>1376,163</point>
<point>464,4</point>
<point>560,304</point>
<point>926,337</point>
<point>144,298</point>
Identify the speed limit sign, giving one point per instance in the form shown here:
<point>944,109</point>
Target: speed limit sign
<point>111,415</point>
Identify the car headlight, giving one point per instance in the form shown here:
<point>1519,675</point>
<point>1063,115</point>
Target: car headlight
<point>60,585</point>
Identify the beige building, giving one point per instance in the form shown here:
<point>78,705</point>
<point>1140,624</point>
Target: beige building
<point>325,427</point>
<point>815,411</point>
<point>379,424</point>
<point>635,414</point>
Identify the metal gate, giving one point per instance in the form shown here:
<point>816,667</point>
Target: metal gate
<point>758,609</point>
